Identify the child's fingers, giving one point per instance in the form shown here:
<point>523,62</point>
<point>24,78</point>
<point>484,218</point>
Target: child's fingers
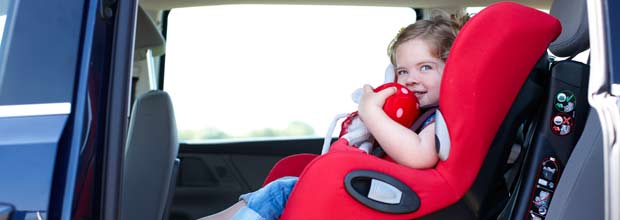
<point>387,92</point>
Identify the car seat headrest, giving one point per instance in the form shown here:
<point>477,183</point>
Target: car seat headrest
<point>147,36</point>
<point>390,76</point>
<point>574,19</point>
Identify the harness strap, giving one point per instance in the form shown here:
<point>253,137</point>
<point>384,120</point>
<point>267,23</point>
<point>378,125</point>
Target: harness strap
<point>419,124</point>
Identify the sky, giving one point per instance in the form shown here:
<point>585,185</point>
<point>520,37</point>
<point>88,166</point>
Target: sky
<point>245,67</point>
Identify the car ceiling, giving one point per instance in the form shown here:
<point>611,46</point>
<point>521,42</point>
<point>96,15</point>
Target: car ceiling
<point>169,4</point>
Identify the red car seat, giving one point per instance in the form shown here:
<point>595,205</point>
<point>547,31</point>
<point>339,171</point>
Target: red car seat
<point>490,85</point>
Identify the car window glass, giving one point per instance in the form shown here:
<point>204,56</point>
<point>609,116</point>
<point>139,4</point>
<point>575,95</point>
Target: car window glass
<point>264,71</point>
<point>4,8</point>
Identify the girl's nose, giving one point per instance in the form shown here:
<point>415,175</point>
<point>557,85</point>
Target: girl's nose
<point>412,78</point>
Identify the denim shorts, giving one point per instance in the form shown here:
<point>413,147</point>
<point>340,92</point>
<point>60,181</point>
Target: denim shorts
<point>268,202</point>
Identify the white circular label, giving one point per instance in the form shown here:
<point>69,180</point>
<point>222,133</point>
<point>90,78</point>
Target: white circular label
<point>561,97</point>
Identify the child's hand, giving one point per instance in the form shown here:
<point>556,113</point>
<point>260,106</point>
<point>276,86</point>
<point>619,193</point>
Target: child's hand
<point>372,101</point>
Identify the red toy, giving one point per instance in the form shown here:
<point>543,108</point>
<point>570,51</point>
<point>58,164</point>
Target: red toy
<point>402,107</point>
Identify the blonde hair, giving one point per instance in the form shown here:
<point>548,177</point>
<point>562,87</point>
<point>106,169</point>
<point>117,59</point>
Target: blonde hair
<point>440,31</point>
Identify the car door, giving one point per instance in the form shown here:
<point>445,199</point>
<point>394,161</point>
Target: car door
<point>604,28</point>
<point>64,80</point>
<point>41,56</point>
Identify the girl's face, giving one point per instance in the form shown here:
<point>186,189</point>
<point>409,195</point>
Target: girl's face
<point>417,69</point>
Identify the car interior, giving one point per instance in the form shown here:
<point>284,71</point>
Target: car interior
<point>534,151</point>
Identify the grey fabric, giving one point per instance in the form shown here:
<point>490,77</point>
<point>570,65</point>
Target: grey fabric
<point>574,37</point>
<point>151,150</point>
<point>580,193</point>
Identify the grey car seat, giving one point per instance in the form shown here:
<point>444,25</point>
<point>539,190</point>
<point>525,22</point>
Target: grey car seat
<point>150,161</point>
<point>562,171</point>
<point>580,194</point>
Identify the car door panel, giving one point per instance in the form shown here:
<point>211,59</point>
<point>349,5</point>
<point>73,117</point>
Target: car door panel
<point>212,176</point>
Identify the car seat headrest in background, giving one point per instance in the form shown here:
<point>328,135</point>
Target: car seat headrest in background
<point>150,155</point>
<point>574,37</point>
<point>489,61</point>
<point>148,36</point>
<point>390,76</point>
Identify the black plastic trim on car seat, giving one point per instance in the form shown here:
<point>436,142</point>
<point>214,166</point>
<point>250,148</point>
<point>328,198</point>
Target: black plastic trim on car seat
<point>544,143</point>
<point>357,184</point>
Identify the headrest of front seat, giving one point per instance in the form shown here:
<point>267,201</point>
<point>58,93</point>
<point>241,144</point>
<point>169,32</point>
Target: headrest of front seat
<point>574,19</point>
<point>147,36</point>
<point>150,154</point>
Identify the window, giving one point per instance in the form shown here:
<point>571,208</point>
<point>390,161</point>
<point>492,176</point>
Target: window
<point>4,11</point>
<point>256,71</point>
<point>4,8</point>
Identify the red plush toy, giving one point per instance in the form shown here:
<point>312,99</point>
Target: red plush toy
<point>402,107</point>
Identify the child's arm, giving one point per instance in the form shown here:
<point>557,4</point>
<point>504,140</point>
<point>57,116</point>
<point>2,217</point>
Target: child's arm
<point>400,143</point>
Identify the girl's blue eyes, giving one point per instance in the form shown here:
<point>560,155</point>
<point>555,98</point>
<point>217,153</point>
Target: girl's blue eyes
<point>423,68</point>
